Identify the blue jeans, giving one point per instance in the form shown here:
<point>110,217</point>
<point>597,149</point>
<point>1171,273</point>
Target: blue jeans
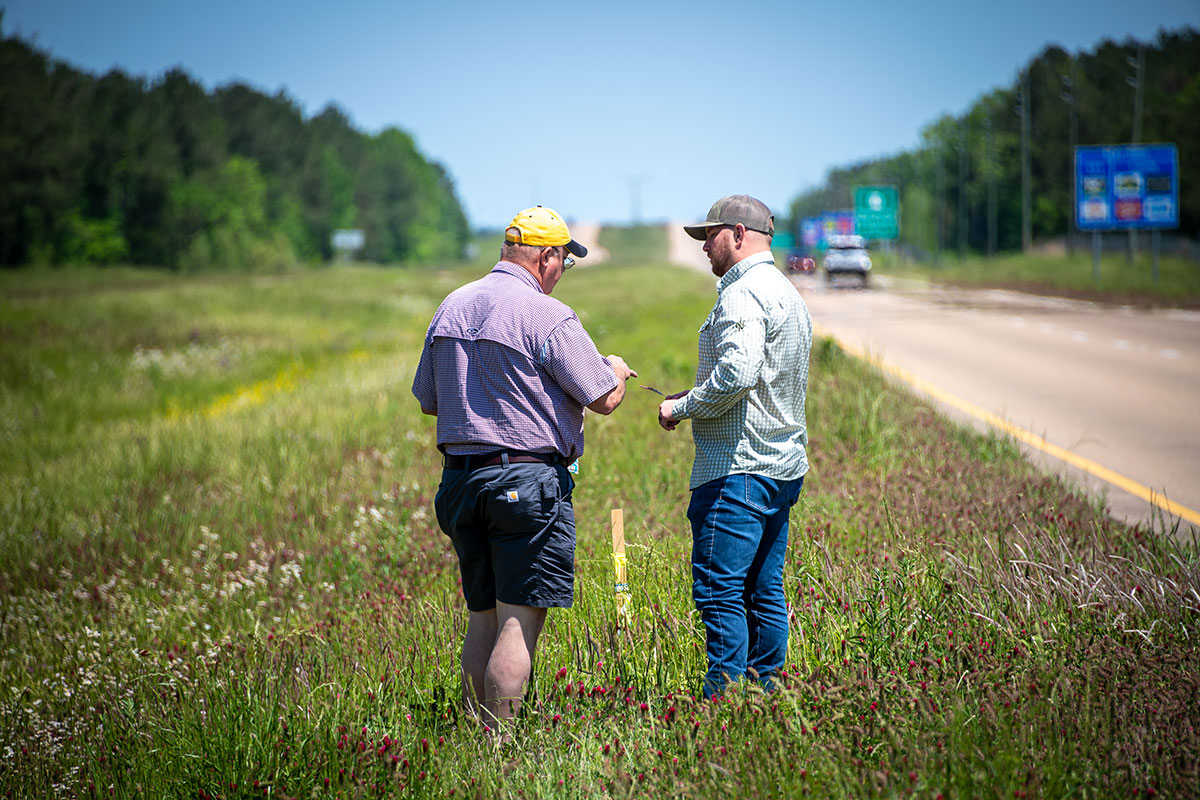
<point>739,543</point>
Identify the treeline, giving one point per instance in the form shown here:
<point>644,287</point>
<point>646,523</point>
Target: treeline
<point>961,189</point>
<point>119,169</point>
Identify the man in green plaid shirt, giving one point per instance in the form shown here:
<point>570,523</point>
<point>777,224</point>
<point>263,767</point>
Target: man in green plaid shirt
<point>748,424</point>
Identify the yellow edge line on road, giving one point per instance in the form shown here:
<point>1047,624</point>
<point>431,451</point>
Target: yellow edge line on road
<point>1087,465</point>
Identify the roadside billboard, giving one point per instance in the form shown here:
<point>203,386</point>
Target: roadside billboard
<point>347,239</point>
<point>815,231</point>
<point>1120,187</point>
<point>810,232</point>
<point>836,223</point>
<point>877,212</point>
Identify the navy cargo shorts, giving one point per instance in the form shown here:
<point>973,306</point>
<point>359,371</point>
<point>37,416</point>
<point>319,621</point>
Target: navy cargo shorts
<point>513,528</point>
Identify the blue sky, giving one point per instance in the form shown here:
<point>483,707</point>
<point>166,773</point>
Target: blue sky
<point>612,110</point>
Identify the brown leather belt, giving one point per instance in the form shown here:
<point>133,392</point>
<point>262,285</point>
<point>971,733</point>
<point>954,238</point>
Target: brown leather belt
<point>496,457</point>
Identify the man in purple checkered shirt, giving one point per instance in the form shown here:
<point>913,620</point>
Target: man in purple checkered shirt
<point>507,370</point>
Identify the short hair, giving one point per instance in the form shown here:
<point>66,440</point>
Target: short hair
<point>508,248</point>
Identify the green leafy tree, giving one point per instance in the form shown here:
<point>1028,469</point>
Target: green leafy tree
<point>116,168</point>
<point>1096,85</point>
<point>223,215</point>
<point>95,241</point>
<point>405,203</point>
<point>41,151</point>
<point>327,188</point>
<point>270,131</point>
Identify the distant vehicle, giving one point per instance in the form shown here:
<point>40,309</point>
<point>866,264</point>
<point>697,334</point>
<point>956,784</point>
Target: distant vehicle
<point>847,255</point>
<point>798,262</point>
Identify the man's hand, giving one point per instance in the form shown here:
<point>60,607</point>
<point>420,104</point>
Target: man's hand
<point>609,402</point>
<point>665,418</point>
<point>621,369</point>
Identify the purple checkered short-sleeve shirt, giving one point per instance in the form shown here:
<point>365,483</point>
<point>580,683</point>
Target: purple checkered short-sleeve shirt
<point>507,366</point>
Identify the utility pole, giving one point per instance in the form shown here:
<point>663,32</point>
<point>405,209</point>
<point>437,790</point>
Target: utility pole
<point>938,191</point>
<point>1026,178</point>
<point>1139,66</point>
<point>1070,95</point>
<point>635,199</point>
<point>1138,63</point>
<point>963,130</point>
<point>991,197</point>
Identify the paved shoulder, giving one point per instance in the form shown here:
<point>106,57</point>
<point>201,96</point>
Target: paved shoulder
<point>1114,387</point>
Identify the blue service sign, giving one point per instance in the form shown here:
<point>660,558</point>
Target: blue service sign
<point>810,231</point>
<point>815,231</point>
<point>1127,186</point>
<point>836,223</point>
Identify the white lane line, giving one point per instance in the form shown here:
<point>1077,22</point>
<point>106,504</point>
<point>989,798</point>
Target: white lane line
<point>1082,337</point>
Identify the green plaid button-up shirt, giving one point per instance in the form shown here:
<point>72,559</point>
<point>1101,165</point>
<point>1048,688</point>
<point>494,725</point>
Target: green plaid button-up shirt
<point>747,408</point>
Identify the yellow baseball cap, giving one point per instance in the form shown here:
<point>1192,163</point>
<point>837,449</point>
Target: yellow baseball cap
<point>542,227</point>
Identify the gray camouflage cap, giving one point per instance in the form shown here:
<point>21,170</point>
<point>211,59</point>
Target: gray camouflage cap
<point>751,213</point>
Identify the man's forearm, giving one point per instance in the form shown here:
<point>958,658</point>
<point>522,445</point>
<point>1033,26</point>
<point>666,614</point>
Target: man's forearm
<point>712,398</point>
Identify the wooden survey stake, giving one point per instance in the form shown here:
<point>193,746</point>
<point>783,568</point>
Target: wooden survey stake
<point>621,585</point>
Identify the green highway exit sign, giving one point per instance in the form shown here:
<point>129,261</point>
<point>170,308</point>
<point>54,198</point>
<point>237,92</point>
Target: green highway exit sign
<point>876,212</point>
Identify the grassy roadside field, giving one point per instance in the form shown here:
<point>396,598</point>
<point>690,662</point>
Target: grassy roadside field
<point>220,575</point>
<point>1178,283</point>
<point>636,244</point>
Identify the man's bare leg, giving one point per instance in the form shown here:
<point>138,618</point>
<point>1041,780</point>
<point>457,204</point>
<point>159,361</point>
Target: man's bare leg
<point>511,662</point>
<point>476,651</point>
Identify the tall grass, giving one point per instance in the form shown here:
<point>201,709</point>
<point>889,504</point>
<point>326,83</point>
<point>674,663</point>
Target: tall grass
<point>220,575</point>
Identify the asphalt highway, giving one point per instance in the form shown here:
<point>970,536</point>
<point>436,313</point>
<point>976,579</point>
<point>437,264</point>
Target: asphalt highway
<point>1108,397</point>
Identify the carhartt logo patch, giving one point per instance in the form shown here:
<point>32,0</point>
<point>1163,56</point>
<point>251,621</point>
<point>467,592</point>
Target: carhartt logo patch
<point>513,496</point>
